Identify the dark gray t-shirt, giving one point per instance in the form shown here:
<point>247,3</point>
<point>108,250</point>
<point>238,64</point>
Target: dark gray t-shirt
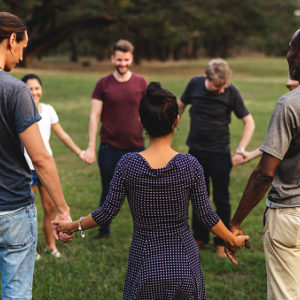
<point>211,115</point>
<point>17,112</point>
<point>283,142</point>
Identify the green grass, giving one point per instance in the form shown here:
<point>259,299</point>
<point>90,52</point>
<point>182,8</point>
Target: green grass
<point>92,269</point>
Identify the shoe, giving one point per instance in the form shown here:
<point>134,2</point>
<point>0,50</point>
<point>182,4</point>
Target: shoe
<point>102,236</point>
<point>221,251</point>
<point>201,245</point>
<point>37,256</point>
<point>55,253</point>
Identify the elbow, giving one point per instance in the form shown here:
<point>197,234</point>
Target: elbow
<point>41,160</point>
<point>262,177</point>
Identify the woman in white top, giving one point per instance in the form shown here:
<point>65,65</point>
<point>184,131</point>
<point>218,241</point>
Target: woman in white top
<point>49,121</point>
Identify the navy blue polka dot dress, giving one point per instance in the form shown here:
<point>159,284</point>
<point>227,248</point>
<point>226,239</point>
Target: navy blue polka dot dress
<point>164,262</point>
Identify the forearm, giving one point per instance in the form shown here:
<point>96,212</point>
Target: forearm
<point>67,140</point>
<point>86,223</point>
<point>93,127</point>
<point>255,190</point>
<point>47,172</point>
<point>249,127</point>
<point>222,232</point>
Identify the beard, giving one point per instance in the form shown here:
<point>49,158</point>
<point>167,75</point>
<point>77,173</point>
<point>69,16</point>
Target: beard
<point>120,72</point>
<point>294,72</point>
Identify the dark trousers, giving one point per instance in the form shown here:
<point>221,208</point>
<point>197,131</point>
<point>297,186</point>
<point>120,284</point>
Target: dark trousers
<point>216,168</point>
<point>108,158</point>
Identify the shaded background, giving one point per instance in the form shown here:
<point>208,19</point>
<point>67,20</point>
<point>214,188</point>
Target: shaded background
<point>161,30</point>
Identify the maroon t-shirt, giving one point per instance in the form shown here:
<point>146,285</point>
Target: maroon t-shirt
<point>120,124</point>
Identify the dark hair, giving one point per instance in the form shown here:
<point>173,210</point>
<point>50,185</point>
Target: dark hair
<point>158,110</point>
<point>123,45</point>
<point>32,76</point>
<point>9,24</point>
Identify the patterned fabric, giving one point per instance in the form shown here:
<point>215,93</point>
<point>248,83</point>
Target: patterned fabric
<point>164,262</point>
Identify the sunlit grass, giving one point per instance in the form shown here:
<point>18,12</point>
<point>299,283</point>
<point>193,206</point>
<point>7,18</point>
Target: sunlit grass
<point>93,269</point>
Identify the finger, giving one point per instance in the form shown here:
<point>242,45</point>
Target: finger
<point>231,256</point>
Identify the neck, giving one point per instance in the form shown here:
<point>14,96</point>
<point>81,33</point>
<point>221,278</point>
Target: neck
<point>122,77</point>
<point>161,143</point>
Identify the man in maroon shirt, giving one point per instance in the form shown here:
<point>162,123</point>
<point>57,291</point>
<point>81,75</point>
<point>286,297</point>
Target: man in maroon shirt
<point>115,101</point>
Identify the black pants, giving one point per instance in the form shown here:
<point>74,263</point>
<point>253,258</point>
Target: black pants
<point>108,158</point>
<point>216,168</point>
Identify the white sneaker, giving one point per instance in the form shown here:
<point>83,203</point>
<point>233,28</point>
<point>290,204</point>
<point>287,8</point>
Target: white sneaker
<point>55,253</point>
<point>37,256</point>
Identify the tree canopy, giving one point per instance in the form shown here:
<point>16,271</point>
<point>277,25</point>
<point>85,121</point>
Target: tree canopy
<point>159,29</point>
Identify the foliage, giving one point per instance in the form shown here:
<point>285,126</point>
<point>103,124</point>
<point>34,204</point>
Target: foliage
<point>159,29</point>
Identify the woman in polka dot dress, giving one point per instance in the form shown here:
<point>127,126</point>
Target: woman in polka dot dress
<point>164,262</point>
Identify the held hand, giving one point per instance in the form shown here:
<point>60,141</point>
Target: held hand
<point>59,235</point>
<point>81,155</point>
<point>240,158</point>
<point>89,156</point>
<point>240,241</point>
<point>63,229</point>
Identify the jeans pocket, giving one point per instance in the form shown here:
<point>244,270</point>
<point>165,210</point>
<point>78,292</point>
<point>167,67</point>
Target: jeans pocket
<point>18,228</point>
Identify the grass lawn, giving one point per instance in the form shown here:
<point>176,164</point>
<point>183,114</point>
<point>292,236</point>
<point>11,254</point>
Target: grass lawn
<point>93,269</point>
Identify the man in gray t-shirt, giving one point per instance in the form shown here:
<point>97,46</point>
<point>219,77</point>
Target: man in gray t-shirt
<point>279,167</point>
<point>19,128</point>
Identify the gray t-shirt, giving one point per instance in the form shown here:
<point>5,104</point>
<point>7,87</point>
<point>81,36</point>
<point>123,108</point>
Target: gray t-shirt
<point>17,112</point>
<point>283,142</point>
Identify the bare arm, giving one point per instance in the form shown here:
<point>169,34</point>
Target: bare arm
<point>249,127</point>
<point>65,138</point>
<point>95,114</point>
<point>70,227</point>
<point>247,156</point>
<point>46,169</point>
<point>258,184</point>
<point>181,107</point>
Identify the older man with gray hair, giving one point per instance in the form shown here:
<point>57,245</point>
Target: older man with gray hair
<point>213,98</point>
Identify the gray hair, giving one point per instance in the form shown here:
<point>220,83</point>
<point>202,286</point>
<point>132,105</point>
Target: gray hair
<point>218,68</point>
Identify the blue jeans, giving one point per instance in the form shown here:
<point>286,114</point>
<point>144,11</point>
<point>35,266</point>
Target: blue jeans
<point>108,158</point>
<point>18,240</point>
<point>216,168</point>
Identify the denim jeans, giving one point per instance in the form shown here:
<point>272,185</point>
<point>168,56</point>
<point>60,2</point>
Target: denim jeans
<point>216,168</point>
<point>18,240</point>
<point>108,158</point>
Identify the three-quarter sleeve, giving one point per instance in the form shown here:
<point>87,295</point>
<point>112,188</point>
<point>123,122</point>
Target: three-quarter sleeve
<point>199,198</point>
<point>115,197</point>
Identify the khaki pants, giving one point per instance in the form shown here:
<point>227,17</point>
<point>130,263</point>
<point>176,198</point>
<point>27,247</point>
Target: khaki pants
<point>282,252</point>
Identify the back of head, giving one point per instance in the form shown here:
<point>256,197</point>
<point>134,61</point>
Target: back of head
<point>158,110</point>
<point>31,76</point>
<point>124,46</point>
<point>218,68</point>
<point>295,41</point>
<point>9,24</point>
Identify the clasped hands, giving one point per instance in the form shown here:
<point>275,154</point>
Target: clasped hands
<point>63,235</point>
<point>230,250</point>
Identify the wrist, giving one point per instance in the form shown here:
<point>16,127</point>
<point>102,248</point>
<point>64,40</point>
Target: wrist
<point>240,150</point>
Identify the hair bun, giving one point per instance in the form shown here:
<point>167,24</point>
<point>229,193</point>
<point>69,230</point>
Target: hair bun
<point>156,93</point>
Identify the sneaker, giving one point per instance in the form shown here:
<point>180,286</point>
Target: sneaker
<point>37,256</point>
<point>55,253</point>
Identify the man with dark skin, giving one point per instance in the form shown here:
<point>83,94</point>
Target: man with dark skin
<point>279,167</point>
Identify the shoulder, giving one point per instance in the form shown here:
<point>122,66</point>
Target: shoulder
<point>290,99</point>
<point>197,79</point>
<point>139,79</point>
<point>13,84</point>
<point>104,79</point>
